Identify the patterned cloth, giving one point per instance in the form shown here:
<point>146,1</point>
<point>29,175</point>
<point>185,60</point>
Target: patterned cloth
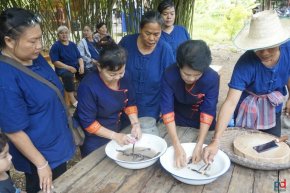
<point>258,111</point>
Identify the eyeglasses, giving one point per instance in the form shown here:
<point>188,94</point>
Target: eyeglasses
<point>30,22</point>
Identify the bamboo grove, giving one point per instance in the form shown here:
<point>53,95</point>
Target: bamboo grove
<point>89,12</point>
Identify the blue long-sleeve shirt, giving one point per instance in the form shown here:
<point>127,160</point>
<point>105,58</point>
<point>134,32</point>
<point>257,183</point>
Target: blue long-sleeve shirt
<point>146,72</point>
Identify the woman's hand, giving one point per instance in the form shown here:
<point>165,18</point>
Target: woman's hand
<point>123,139</point>
<point>180,156</point>
<point>197,154</point>
<point>81,69</point>
<point>71,69</point>
<point>136,131</point>
<point>45,179</point>
<point>210,151</point>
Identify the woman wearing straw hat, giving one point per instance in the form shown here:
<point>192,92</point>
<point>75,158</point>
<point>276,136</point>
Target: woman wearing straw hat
<point>259,80</point>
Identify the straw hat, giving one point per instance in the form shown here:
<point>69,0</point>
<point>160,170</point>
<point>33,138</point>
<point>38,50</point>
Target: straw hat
<point>265,30</point>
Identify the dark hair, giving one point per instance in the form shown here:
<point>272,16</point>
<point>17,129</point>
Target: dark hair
<point>3,141</point>
<point>13,22</point>
<point>112,57</point>
<point>99,25</point>
<point>151,17</point>
<point>164,5</point>
<point>194,54</point>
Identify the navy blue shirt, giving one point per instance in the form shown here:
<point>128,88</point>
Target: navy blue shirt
<point>67,54</point>
<point>250,74</point>
<point>146,72</point>
<point>30,106</point>
<point>180,100</point>
<point>178,35</point>
<point>98,102</point>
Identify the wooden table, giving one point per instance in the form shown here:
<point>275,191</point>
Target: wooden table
<point>99,174</point>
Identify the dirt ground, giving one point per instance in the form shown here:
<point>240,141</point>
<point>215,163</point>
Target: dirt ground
<point>224,56</point>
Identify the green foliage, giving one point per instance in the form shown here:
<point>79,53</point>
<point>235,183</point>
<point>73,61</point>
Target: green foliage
<point>219,21</point>
<point>234,20</point>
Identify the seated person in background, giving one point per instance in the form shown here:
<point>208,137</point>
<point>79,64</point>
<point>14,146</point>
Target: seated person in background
<point>67,60</point>
<point>189,96</point>
<point>174,35</point>
<point>259,80</point>
<point>88,51</point>
<point>6,184</point>
<point>103,95</point>
<point>102,37</point>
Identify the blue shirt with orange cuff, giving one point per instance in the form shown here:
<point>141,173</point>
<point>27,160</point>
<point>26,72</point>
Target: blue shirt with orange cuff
<point>146,72</point>
<point>189,106</point>
<point>99,105</point>
<point>178,35</point>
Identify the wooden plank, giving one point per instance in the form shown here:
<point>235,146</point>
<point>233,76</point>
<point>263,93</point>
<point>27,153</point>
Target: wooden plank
<point>136,181</point>
<point>159,182</point>
<point>264,181</point>
<point>284,179</point>
<point>91,180</point>
<point>78,171</point>
<point>112,181</point>
<point>221,184</point>
<point>180,187</point>
<point>242,180</point>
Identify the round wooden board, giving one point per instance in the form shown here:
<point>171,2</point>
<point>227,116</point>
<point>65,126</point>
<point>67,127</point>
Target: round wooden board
<point>243,146</point>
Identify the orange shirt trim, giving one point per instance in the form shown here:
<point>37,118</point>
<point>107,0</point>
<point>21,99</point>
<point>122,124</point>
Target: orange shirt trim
<point>131,110</point>
<point>168,118</point>
<point>94,127</point>
<point>206,118</point>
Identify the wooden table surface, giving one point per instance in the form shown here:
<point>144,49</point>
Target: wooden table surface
<point>99,174</point>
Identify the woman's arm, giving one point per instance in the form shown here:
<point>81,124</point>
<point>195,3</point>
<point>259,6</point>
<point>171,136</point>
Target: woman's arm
<point>179,153</point>
<point>82,67</point>
<point>99,130</point>
<point>224,117</point>
<point>287,107</point>
<point>136,129</point>
<point>59,64</point>
<point>197,152</point>
<point>26,147</point>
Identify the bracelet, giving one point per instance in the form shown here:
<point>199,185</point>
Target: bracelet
<point>112,135</point>
<point>44,166</point>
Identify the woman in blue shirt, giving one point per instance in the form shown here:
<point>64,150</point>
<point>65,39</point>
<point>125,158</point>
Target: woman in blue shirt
<point>88,51</point>
<point>262,73</point>
<point>68,62</point>
<point>31,114</point>
<point>174,35</point>
<point>189,96</point>
<point>103,96</point>
<point>147,59</point>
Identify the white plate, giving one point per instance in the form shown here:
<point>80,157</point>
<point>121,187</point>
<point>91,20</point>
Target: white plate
<point>149,141</point>
<point>220,165</point>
